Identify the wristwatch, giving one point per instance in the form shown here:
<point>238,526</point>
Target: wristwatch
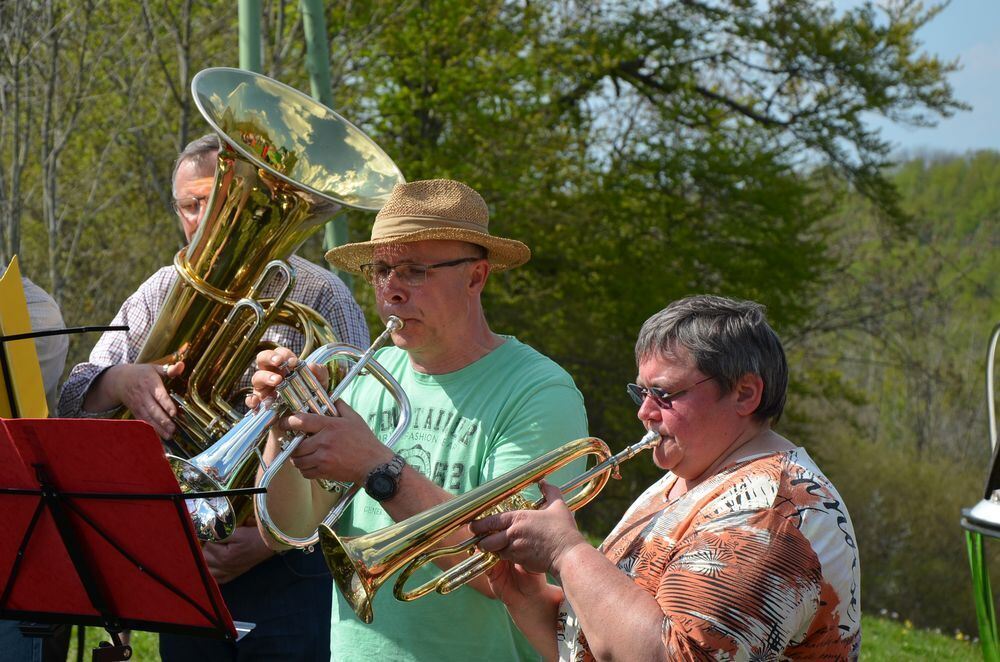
<point>383,481</point>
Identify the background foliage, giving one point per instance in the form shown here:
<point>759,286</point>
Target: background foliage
<point>645,151</point>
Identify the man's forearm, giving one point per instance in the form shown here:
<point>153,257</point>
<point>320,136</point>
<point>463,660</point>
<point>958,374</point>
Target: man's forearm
<point>100,396</point>
<point>74,390</point>
<point>537,621</point>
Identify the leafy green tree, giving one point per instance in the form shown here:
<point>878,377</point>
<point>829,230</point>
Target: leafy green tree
<point>890,371</point>
<point>607,135</point>
<point>644,151</point>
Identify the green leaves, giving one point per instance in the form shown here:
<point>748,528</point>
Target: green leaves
<point>644,151</point>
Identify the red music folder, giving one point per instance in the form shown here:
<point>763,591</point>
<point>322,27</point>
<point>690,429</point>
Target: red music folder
<point>93,530</point>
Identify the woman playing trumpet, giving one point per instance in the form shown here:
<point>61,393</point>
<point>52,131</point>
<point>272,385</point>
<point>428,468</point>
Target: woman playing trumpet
<point>742,550</point>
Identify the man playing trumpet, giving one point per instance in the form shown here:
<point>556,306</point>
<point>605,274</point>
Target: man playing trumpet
<point>483,404</point>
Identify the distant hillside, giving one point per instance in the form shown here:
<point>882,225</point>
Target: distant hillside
<point>888,390</point>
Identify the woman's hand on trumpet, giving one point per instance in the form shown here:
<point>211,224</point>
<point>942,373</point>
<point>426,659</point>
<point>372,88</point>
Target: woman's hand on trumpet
<point>536,540</point>
<point>531,542</point>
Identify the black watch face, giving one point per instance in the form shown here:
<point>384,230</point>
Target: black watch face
<point>381,486</point>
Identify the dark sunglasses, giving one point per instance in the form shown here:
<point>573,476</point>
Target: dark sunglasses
<point>660,396</point>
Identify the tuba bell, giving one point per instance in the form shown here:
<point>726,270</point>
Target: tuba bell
<point>287,164</point>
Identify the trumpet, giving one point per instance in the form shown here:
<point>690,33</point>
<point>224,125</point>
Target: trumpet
<point>232,460</point>
<point>293,393</point>
<point>361,564</point>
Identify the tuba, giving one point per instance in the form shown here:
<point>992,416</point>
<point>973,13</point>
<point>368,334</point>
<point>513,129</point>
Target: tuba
<point>287,164</point>
<point>361,564</point>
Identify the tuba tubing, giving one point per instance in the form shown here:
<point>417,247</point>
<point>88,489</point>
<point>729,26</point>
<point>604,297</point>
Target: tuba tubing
<point>286,165</point>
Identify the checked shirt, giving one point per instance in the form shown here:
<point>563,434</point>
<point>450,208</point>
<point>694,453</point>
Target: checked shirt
<point>314,286</point>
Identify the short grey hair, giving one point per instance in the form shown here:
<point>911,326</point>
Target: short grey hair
<point>202,151</point>
<point>727,338</point>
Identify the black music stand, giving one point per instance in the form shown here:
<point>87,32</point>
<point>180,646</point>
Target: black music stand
<point>96,533</point>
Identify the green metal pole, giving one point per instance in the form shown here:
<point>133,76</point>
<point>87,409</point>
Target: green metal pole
<point>317,51</point>
<point>318,66</point>
<point>250,46</point>
<point>983,595</point>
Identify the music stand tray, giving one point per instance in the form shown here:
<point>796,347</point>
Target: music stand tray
<point>96,532</point>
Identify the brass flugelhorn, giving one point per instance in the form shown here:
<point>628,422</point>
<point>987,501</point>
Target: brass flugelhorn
<point>232,461</point>
<point>325,406</point>
<point>361,564</point>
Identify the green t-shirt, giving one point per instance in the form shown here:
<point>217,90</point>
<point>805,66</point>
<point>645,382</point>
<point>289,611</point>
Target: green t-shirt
<point>468,427</point>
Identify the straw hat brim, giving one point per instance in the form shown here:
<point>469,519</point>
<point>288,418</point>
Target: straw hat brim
<point>503,253</point>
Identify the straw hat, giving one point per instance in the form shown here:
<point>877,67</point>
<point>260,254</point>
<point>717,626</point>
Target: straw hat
<point>432,209</point>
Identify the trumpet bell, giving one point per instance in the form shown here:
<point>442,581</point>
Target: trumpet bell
<point>214,518</point>
<point>361,564</point>
<point>356,581</point>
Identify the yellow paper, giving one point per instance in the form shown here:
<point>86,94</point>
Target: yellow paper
<point>19,355</point>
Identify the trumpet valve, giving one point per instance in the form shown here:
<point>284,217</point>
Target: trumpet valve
<point>515,501</point>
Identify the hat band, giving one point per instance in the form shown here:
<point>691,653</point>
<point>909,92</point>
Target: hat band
<point>395,226</point>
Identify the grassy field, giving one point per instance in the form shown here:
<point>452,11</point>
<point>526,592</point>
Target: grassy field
<point>144,645</point>
<point>884,639</point>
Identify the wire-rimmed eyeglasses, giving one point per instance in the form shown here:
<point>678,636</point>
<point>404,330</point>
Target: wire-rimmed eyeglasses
<point>189,206</point>
<point>411,274</point>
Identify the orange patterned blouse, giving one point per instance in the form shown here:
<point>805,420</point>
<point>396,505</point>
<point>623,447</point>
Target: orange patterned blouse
<point>758,562</point>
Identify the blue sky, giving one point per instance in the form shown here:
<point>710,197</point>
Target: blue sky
<point>970,31</point>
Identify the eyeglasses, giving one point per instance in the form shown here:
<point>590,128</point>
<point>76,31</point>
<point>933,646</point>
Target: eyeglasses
<point>413,275</point>
<point>659,395</point>
<point>190,206</point>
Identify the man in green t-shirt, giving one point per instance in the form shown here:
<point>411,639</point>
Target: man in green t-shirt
<point>482,405</point>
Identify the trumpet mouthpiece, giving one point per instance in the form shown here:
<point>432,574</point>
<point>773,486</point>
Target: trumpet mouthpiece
<point>394,323</point>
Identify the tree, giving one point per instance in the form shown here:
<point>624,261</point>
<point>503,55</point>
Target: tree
<point>890,370</point>
<point>18,33</point>
<point>644,151</point>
